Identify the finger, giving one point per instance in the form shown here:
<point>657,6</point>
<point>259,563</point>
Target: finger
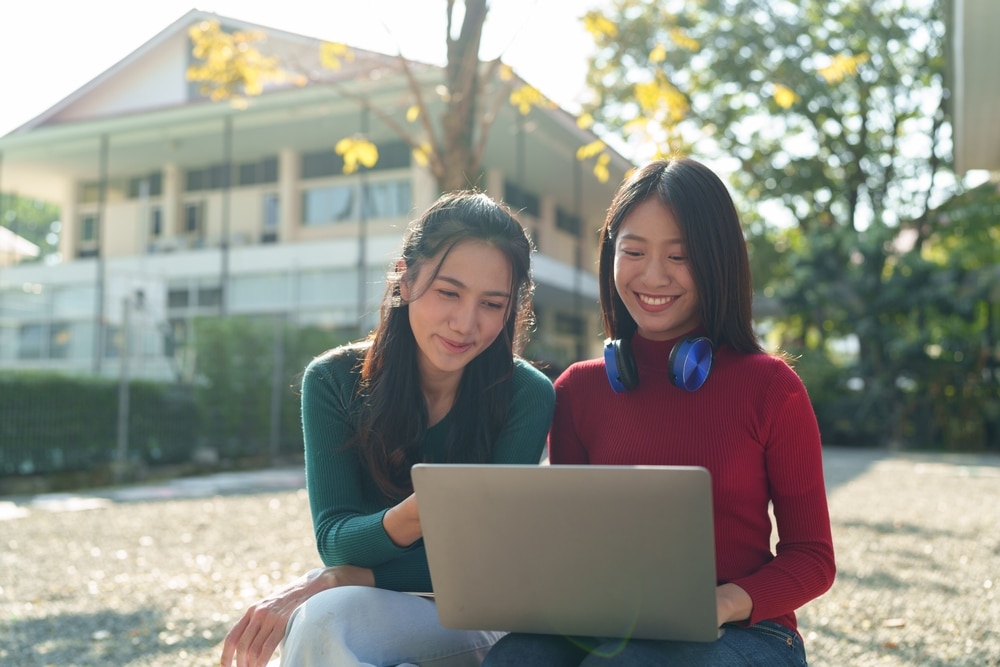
<point>270,644</point>
<point>232,640</point>
<point>251,647</point>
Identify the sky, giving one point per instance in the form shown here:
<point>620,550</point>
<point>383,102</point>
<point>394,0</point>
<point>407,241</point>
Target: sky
<point>50,48</point>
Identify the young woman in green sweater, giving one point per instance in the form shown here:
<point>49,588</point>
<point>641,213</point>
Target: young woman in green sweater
<point>439,379</point>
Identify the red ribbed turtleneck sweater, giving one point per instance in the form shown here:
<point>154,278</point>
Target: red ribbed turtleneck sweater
<point>752,426</point>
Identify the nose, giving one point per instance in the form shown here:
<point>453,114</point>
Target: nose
<point>657,271</point>
<point>463,317</point>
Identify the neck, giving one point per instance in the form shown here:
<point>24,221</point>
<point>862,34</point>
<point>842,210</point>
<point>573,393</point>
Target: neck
<point>439,395</point>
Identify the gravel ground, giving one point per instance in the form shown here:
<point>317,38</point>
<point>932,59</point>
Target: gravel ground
<point>155,577</point>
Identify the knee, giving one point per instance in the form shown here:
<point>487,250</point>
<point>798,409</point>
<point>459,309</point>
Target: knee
<point>334,607</point>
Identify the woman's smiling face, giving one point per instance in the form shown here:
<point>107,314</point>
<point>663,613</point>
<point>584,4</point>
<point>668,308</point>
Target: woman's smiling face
<point>652,273</point>
<point>460,311</point>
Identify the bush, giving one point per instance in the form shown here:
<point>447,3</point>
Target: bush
<point>53,423</point>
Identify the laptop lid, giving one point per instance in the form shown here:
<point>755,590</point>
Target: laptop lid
<point>606,551</point>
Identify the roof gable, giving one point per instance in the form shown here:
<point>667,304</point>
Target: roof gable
<point>153,77</point>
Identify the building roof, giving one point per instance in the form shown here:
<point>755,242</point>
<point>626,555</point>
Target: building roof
<point>144,102</point>
<point>14,248</point>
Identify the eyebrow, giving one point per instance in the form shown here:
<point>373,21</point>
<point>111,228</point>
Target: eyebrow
<point>636,237</point>
<point>458,283</point>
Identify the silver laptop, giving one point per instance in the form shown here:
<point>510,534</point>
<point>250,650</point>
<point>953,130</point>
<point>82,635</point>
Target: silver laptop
<point>604,551</point>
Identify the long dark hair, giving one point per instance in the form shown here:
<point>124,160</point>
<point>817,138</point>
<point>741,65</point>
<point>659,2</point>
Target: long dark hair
<point>716,249</point>
<point>393,417</point>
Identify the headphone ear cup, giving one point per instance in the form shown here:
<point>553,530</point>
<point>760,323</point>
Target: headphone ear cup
<point>620,365</point>
<point>690,362</point>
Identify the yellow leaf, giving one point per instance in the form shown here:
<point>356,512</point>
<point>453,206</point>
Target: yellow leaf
<point>420,155</point>
<point>658,54</point>
<point>660,96</point>
<point>589,150</point>
<point>356,151</point>
<point>413,113</point>
<point>601,170</point>
<point>785,96</point>
<point>331,53</point>
<point>599,26</point>
<point>842,65</point>
<point>506,72</point>
<point>585,121</point>
<point>524,97</point>
<point>681,39</point>
<point>229,64</point>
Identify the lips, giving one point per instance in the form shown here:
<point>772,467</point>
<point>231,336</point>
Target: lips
<point>453,346</point>
<point>651,301</point>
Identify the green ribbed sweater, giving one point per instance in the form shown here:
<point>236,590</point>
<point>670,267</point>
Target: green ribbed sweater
<point>346,504</point>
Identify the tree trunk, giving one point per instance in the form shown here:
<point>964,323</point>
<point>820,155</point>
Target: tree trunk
<point>458,123</point>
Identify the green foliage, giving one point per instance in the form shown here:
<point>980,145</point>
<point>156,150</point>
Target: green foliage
<point>243,364</point>
<point>34,220</point>
<point>52,423</point>
<point>832,115</point>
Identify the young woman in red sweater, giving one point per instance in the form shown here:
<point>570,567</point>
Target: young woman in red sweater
<point>685,381</point>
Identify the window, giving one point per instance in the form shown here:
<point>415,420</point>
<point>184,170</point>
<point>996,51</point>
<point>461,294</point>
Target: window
<point>213,177</point>
<point>194,218</point>
<point>88,227</point>
<point>323,206</point>
<point>568,222</point>
<point>155,222</point>
<point>393,155</point>
<point>322,163</point>
<point>150,185</point>
<point>31,341</point>
<point>59,340</point>
<point>178,298</point>
<point>209,296</point>
<point>388,199</point>
<point>272,212</point>
<point>255,173</point>
<point>520,199</point>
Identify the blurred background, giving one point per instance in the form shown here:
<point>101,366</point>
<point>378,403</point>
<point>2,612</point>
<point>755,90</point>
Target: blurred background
<point>194,206</point>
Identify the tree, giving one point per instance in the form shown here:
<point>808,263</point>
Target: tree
<point>36,221</point>
<point>230,66</point>
<point>832,117</point>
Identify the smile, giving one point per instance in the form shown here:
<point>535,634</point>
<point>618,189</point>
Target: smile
<point>655,300</point>
<point>454,346</point>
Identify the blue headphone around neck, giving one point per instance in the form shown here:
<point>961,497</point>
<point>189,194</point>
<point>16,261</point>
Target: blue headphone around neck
<point>690,363</point>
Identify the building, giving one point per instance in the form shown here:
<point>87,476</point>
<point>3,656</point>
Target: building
<point>174,206</point>
<point>974,84</point>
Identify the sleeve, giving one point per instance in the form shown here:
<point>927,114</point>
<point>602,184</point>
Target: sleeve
<point>347,531</point>
<point>565,445</point>
<point>803,567</point>
<point>522,439</point>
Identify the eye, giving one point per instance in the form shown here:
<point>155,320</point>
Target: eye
<point>678,258</point>
<point>493,305</point>
<point>629,252</point>
<point>447,294</point>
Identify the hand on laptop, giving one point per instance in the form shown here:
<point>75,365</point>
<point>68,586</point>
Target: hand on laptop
<point>733,603</point>
<point>258,633</point>
<point>402,522</point>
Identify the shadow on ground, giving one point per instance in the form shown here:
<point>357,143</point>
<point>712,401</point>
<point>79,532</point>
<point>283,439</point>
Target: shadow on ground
<point>106,638</point>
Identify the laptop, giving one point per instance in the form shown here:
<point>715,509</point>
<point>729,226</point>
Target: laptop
<point>603,551</point>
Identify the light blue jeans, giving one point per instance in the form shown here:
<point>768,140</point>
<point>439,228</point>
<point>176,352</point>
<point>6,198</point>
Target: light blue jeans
<point>765,644</point>
<point>371,627</point>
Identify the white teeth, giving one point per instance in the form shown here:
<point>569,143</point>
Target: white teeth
<point>655,300</point>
